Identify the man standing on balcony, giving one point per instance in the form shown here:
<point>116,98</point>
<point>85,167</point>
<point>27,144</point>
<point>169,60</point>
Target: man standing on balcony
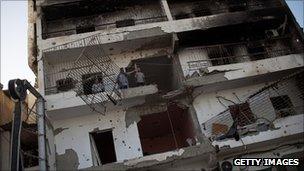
<point>140,77</point>
<point>122,79</point>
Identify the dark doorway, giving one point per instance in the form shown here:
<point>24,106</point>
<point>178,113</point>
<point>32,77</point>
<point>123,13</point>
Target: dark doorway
<point>157,70</point>
<point>104,144</point>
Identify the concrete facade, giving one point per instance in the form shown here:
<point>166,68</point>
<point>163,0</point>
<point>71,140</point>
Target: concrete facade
<point>202,70</point>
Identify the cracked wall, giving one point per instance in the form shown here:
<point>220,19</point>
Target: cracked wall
<point>74,134</point>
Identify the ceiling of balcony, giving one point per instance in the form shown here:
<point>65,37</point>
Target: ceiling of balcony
<point>66,55</point>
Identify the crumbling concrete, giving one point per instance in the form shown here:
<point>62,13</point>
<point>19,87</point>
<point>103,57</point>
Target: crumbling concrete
<point>201,154</point>
<point>59,130</point>
<point>67,161</point>
<point>133,114</point>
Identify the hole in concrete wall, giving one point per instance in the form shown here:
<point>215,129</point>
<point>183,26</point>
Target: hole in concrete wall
<point>103,150</point>
<point>157,70</point>
<point>166,131</point>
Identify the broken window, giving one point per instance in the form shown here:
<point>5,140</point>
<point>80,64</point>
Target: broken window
<point>88,80</point>
<point>166,131</point>
<point>102,147</point>
<point>242,114</point>
<point>282,105</point>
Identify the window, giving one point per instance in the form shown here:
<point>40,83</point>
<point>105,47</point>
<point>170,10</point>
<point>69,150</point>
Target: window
<point>282,105</point>
<point>102,145</point>
<point>242,114</point>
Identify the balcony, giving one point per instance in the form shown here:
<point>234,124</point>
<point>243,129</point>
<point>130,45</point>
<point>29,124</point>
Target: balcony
<point>81,16</point>
<point>69,82</point>
<point>272,112</point>
<point>160,28</point>
<point>208,65</point>
<point>182,9</point>
<point>70,99</point>
<point>84,17</point>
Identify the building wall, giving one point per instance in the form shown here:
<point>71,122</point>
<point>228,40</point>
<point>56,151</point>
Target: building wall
<point>73,134</point>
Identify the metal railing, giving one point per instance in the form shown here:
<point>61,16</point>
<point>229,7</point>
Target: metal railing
<point>282,98</point>
<point>65,32</point>
<point>223,54</point>
<point>205,8</point>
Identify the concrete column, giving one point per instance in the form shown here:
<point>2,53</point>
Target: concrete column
<point>40,68</point>
<point>198,130</point>
<point>41,133</point>
<point>166,9</point>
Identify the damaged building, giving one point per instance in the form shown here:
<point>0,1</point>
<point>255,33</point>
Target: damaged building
<point>223,79</point>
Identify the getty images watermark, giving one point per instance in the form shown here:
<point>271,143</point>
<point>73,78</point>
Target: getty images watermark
<point>265,162</point>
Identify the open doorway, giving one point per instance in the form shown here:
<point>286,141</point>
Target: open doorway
<point>157,70</point>
<point>166,131</point>
<point>102,145</point>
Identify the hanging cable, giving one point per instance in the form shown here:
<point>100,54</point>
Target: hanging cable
<point>172,129</point>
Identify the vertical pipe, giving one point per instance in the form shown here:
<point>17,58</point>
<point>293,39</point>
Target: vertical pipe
<point>41,133</point>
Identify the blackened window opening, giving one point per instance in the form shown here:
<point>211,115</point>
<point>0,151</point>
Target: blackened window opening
<point>105,146</point>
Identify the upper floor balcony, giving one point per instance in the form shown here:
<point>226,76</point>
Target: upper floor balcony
<point>235,53</point>
<point>80,17</point>
<point>69,82</point>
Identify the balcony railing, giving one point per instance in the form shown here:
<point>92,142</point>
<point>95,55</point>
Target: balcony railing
<point>224,54</point>
<point>97,27</point>
<point>182,10</point>
<point>257,113</point>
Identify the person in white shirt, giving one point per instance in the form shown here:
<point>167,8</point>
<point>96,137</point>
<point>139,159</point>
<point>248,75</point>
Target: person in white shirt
<point>98,86</point>
<point>139,77</point>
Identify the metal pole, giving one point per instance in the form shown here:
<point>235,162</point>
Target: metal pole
<point>15,138</point>
<point>41,133</point>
